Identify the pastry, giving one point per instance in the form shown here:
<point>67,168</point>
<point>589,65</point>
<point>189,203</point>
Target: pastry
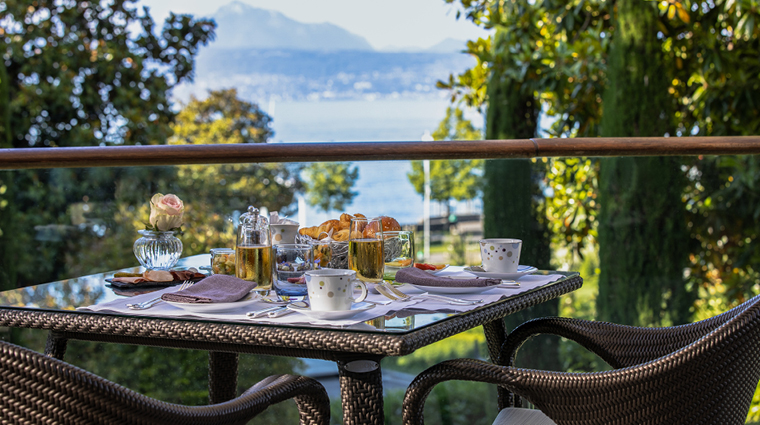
<point>341,235</point>
<point>388,223</point>
<point>309,231</point>
<point>326,227</point>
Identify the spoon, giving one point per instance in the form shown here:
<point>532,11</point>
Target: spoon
<point>280,301</point>
<point>277,311</point>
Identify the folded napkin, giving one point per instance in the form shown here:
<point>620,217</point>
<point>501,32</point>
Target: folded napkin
<point>218,288</point>
<point>274,218</point>
<point>416,276</point>
<point>176,276</point>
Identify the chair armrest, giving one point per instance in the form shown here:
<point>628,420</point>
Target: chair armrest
<point>618,345</point>
<point>463,370</point>
<point>310,397</point>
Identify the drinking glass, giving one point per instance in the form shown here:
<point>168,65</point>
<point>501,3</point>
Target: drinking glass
<point>291,261</point>
<point>365,249</point>
<point>398,249</point>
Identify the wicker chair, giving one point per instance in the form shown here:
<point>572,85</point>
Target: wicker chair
<point>36,389</point>
<point>701,373</point>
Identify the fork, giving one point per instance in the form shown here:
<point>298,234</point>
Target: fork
<point>393,293</point>
<point>151,302</point>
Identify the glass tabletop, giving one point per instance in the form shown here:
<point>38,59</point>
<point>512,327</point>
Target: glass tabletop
<point>69,294</point>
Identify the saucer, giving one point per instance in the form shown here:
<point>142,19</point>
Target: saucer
<point>332,315</point>
<point>521,271</point>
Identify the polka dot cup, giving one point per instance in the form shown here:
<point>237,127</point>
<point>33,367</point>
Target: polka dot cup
<point>500,255</point>
<point>283,233</point>
<point>333,289</point>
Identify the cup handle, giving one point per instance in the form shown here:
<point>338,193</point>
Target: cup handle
<point>361,297</point>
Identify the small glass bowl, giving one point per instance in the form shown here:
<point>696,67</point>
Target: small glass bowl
<point>223,261</point>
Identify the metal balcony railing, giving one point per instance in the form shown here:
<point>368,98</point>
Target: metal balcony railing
<point>126,156</point>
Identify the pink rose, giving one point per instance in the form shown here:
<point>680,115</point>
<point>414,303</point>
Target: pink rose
<point>166,212</point>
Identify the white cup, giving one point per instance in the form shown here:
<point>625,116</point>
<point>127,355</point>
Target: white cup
<point>333,289</point>
<point>500,255</point>
<point>283,233</point>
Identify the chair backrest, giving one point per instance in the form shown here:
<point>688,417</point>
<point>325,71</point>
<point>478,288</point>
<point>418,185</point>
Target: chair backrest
<point>35,389</point>
<point>710,381</point>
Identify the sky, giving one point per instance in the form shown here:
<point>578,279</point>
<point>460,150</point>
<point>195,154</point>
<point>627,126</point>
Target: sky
<point>385,24</point>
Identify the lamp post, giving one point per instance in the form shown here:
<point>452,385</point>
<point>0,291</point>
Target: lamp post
<point>427,137</point>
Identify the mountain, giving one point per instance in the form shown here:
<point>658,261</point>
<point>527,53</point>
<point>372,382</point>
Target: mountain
<point>240,26</point>
<point>267,55</point>
<point>261,74</point>
<point>448,45</point>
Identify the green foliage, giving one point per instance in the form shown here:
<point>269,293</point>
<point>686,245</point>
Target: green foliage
<point>572,207</point>
<point>90,73</point>
<point>213,192</point>
<point>452,179</point>
<point>221,118</point>
<point>470,343</point>
<point>82,74</point>
<point>329,185</point>
<point>454,402</point>
<point>722,209</point>
<point>641,209</point>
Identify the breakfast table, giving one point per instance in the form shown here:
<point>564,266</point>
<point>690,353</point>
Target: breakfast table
<point>90,308</point>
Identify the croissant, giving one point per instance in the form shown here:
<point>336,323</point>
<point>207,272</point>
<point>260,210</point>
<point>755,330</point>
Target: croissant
<point>324,228</point>
<point>309,231</point>
<point>341,236</point>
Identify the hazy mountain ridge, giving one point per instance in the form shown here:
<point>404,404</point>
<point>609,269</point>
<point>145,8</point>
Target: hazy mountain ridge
<point>242,26</point>
<point>298,74</point>
<point>266,55</point>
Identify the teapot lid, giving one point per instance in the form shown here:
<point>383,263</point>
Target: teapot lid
<point>252,217</point>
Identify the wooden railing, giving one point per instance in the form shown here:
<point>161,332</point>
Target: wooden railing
<point>125,156</point>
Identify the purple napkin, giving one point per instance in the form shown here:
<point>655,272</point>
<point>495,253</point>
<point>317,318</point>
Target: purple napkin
<point>416,276</point>
<point>218,288</point>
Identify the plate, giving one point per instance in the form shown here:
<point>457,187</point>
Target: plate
<point>124,285</point>
<point>445,290</point>
<point>216,307</point>
<point>521,271</point>
<point>437,270</point>
<point>333,315</point>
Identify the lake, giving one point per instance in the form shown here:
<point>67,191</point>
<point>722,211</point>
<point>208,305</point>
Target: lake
<point>383,187</point>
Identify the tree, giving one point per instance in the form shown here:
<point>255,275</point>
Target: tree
<point>708,50</point>
<point>329,184</point>
<point>460,180</point>
<point>81,74</point>
<point>513,204</point>
<point>641,210</point>
<point>91,73</point>
<point>213,193</point>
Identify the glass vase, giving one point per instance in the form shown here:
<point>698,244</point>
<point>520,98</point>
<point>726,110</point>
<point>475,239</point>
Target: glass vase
<point>157,250</point>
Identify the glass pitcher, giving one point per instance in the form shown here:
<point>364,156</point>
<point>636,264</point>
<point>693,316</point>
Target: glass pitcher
<point>253,250</point>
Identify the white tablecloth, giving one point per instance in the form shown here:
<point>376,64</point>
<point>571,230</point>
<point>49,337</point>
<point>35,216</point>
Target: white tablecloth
<point>384,307</point>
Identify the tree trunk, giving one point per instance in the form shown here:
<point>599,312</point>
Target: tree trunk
<point>642,233</point>
<point>510,204</point>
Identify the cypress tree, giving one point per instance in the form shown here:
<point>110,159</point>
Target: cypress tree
<point>642,232</point>
<point>511,201</point>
